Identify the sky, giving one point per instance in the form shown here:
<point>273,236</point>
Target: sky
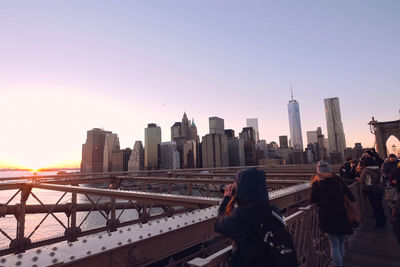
<point>69,66</point>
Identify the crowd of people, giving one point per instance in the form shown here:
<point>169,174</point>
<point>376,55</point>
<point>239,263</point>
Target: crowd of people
<point>380,181</point>
<point>246,216</point>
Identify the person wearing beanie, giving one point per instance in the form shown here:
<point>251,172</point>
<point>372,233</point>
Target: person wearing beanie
<point>328,191</point>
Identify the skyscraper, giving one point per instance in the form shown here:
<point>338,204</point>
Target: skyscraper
<point>182,133</point>
<point>169,156</point>
<point>215,150</point>
<point>136,161</point>
<point>253,122</point>
<point>312,137</point>
<point>216,125</point>
<point>193,132</point>
<point>185,132</point>
<point>93,151</point>
<point>215,145</point>
<point>176,131</point>
<point>236,152</point>
<point>152,138</point>
<point>296,138</point>
<point>334,125</point>
<point>120,160</point>
<point>111,144</point>
<point>283,142</point>
<point>191,158</point>
<point>248,135</point>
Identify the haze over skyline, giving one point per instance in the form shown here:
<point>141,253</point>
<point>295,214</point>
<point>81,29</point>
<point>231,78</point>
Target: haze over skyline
<point>69,66</point>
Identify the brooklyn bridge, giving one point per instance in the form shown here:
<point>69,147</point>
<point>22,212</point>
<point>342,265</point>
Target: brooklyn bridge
<point>164,218</point>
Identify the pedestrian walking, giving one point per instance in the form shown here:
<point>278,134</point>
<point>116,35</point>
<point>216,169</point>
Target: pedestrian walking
<point>372,187</point>
<point>328,191</point>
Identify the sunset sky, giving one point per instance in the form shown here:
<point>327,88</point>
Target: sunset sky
<point>69,66</point>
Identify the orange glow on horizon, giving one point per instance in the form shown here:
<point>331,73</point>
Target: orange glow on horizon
<point>38,167</point>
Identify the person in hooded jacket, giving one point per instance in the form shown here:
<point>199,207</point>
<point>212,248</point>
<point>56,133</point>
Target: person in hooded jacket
<point>372,187</point>
<point>244,207</point>
<point>328,191</point>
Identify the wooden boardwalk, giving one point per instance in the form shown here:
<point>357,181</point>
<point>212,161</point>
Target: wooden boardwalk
<point>372,247</point>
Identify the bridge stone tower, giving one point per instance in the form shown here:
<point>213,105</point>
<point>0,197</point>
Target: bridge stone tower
<point>382,131</point>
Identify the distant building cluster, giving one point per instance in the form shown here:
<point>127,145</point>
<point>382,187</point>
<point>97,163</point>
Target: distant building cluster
<point>220,147</point>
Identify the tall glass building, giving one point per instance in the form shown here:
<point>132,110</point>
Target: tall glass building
<point>334,125</point>
<point>253,122</point>
<point>296,138</point>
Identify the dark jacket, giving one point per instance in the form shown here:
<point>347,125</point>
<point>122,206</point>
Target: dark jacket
<point>395,176</point>
<point>328,192</point>
<point>345,170</point>
<point>388,167</point>
<point>371,179</point>
<point>253,208</point>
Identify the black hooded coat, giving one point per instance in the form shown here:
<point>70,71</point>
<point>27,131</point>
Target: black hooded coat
<point>328,192</point>
<point>252,209</point>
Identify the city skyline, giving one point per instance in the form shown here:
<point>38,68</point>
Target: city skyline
<point>121,66</point>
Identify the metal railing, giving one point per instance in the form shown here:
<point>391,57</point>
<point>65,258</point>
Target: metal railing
<point>312,245</point>
<point>108,206</point>
<point>141,244</point>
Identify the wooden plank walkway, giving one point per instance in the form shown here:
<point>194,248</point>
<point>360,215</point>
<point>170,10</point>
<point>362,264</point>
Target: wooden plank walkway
<point>372,247</point>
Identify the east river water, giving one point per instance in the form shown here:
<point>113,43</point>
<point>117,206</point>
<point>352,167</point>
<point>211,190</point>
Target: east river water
<point>50,226</point>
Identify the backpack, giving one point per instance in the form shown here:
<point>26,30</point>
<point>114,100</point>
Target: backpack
<point>277,242</point>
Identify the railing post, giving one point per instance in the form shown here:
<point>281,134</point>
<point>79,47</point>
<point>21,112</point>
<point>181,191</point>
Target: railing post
<point>189,189</point>
<point>169,188</point>
<point>73,210</point>
<point>144,216</point>
<point>73,231</point>
<point>144,186</point>
<point>20,242</point>
<point>113,222</point>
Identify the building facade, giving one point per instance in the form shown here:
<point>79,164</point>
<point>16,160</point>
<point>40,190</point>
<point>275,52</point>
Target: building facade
<point>169,156</point>
<point>236,152</point>
<point>136,160</point>
<point>334,125</point>
<point>253,122</point>
<point>312,137</point>
<point>111,144</point>
<point>215,151</point>
<point>250,156</point>
<point>296,138</point>
<point>93,151</point>
<point>283,141</point>
<point>152,138</point>
<point>181,133</point>
<point>216,125</point>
